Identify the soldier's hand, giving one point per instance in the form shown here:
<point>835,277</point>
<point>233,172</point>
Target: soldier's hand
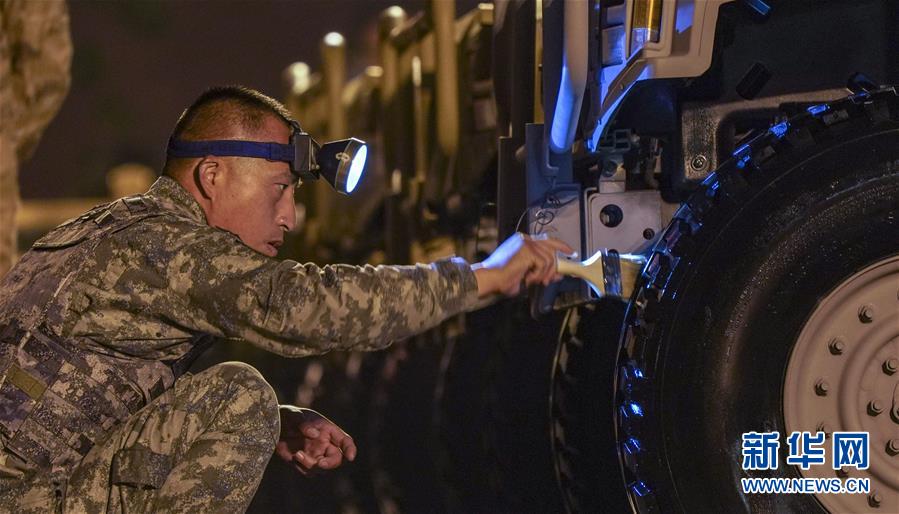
<point>311,441</point>
<point>520,259</point>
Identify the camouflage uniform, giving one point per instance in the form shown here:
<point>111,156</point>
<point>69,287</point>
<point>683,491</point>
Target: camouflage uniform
<point>103,315</point>
<point>35,57</point>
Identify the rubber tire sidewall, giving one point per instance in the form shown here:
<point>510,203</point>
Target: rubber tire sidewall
<point>730,320</point>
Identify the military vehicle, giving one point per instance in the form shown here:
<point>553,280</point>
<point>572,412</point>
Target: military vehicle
<point>746,152</point>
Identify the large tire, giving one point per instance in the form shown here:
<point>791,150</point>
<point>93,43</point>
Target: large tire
<point>727,292</point>
<point>581,430</point>
<point>459,423</point>
<point>517,429</point>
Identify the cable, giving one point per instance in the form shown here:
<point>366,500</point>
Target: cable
<point>549,201</point>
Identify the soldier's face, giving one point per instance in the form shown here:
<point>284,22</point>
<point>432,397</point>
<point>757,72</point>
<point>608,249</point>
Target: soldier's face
<point>255,197</point>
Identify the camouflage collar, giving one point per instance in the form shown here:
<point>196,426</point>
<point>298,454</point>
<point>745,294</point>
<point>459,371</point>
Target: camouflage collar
<point>171,195</point>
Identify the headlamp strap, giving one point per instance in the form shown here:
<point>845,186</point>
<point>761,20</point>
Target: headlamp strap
<point>231,148</point>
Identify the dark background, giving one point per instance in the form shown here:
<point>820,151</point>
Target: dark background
<point>138,64</point>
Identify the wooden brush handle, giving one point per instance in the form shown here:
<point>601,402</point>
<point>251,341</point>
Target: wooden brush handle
<point>589,270</point>
<point>624,272</point>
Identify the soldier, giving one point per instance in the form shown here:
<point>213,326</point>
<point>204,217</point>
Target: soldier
<point>101,318</point>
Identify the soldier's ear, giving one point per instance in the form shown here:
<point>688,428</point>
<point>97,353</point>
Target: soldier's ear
<point>208,176</point>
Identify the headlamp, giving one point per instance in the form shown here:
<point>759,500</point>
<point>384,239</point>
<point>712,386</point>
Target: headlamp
<point>340,162</point>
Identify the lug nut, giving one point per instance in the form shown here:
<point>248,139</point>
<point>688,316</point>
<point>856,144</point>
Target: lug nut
<point>891,365</point>
<point>821,387</point>
<point>866,313</point>
<point>875,499</point>
<point>893,447</point>
<point>875,407</point>
<point>837,346</point>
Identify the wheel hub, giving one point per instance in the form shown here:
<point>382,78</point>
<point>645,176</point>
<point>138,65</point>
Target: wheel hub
<point>843,375</point>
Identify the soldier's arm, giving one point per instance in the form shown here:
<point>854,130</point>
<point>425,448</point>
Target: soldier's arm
<point>299,309</point>
<point>170,279</point>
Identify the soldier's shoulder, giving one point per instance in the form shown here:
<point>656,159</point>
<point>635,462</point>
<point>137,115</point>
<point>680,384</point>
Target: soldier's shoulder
<point>111,221</point>
<point>175,230</point>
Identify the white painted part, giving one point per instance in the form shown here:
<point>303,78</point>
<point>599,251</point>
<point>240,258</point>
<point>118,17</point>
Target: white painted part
<point>641,209</point>
<point>686,41</point>
<point>575,64</point>
<point>561,221</point>
<point>613,45</point>
<point>687,49</point>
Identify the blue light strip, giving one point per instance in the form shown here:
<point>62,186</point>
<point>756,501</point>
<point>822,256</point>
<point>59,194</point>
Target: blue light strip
<point>640,488</point>
<point>743,155</point>
<point>780,130</point>
<point>632,445</point>
<point>567,107</point>
<point>636,409</point>
<point>815,110</point>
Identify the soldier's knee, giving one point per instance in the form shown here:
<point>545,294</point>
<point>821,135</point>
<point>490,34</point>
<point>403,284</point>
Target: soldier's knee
<point>248,378</point>
<point>239,373</point>
<point>262,403</point>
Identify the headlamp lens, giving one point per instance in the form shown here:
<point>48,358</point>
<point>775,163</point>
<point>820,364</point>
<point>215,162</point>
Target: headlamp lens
<point>342,162</point>
<point>356,167</point>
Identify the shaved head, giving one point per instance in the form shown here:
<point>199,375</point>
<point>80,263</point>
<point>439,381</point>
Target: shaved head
<point>224,112</point>
<point>251,197</point>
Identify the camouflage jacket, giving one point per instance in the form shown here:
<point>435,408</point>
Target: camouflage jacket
<point>105,311</point>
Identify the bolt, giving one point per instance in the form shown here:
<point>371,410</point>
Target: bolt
<point>866,313</point>
<point>699,162</point>
<point>893,447</point>
<point>837,346</point>
<point>609,168</point>
<point>891,365</point>
<point>649,234</point>
<point>874,499</point>
<point>875,407</point>
<point>821,387</point>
